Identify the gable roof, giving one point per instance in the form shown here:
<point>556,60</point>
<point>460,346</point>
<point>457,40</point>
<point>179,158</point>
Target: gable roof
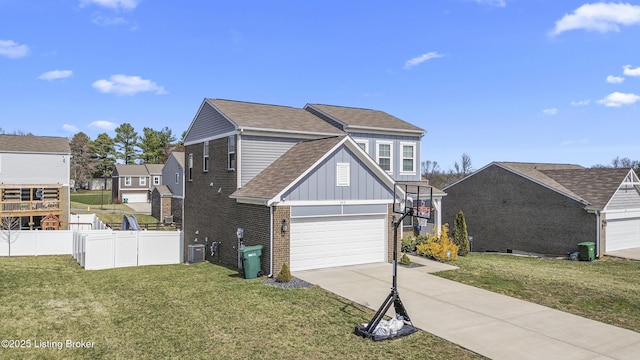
<point>130,170</point>
<point>34,144</point>
<point>592,187</point>
<point>364,119</point>
<point>288,167</point>
<point>254,116</point>
<point>179,156</point>
<point>267,187</point>
<point>154,169</point>
<point>596,186</point>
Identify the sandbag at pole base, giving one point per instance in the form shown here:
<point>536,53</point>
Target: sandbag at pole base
<point>361,330</point>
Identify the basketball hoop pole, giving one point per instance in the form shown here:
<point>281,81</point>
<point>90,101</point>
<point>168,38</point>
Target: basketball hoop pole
<point>393,297</point>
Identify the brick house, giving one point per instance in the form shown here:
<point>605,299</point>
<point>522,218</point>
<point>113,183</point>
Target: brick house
<point>167,200</point>
<point>306,183</point>
<point>547,208</point>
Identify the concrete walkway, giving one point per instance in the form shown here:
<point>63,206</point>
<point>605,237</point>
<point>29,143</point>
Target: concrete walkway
<point>490,324</point>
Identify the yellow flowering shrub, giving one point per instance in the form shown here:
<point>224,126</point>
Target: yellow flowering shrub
<point>439,247</point>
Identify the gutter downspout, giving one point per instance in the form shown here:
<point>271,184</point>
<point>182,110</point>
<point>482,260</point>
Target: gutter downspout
<point>598,233</point>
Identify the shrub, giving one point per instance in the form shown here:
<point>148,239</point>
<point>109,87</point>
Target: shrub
<point>404,260</point>
<point>439,247</point>
<point>285,274</point>
<point>460,234</point>
<point>409,243</point>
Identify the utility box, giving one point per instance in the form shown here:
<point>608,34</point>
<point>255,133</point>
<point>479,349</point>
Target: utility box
<point>251,261</point>
<point>196,253</point>
<point>587,251</point>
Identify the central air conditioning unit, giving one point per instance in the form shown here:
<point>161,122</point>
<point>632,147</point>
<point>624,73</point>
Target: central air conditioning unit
<point>168,219</point>
<point>196,253</point>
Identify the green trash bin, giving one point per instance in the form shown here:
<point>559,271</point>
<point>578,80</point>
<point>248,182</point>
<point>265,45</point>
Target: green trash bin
<point>587,251</point>
<point>251,260</point>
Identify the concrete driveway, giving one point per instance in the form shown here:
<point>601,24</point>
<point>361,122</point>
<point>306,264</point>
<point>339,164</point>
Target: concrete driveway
<point>632,254</point>
<point>140,208</point>
<point>490,324</point>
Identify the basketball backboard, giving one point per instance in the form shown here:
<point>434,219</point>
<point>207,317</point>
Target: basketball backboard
<point>414,199</point>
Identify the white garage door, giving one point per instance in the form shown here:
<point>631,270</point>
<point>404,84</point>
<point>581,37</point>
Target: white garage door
<point>321,242</point>
<point>623,233</point>
<point>134,197</point>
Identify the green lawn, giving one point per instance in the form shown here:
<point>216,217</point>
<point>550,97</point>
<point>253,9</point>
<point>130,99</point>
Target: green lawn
<point>91,197</point>
<point>606,290</point>
<point>200,311</point>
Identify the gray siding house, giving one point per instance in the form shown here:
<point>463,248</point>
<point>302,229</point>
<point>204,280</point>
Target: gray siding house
<point>34,179</point>
<point>294,181</point>
<point>167,200</point>
<point>547,208</point>
<point>133,183</point>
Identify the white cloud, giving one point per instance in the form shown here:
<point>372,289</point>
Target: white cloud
<point>69,128</point>
<point>108,21</point>
<point>103,124</point>
<point>614,79</point>
<point>55,74</point>
<point>617,99</point>
<point>12,49</point>
<point>127,85</point>
<point>581,102</point>
<point>601,17</point>
<point>629,71</point>
<point>496,3</point>
<point>112,4</point>
<point>550,111</point>
<point>422,58</point>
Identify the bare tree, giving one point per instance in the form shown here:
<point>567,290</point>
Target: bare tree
<point>8,230</point>
<point>464,168</point>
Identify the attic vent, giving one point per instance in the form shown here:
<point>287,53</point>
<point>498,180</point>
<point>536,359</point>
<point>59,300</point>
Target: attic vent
<point>343,174</point>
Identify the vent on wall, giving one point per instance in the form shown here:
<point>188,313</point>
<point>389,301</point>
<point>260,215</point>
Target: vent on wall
<point>196,253</point>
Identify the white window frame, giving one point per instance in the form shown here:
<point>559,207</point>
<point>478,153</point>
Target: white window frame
<point>127,181</point>
<point>343,174</point>
<point>390,143</point>
<point>402,158</point>
<point>156,180</point>
<point>364,142</point>
<point>231,165</point>
<point>190,168</point>
<point>142,181</point>
<point>205,156</point>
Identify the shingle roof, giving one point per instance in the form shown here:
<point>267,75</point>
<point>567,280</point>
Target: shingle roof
<point>131,170</point>
<point>357,117</point>
<point>288,167</point>
<point>274,117</point>
<point>179,156</point>
<point>163,190</point>
<point>595,187</point>
<point>34,144</point>
<point>154,169</point>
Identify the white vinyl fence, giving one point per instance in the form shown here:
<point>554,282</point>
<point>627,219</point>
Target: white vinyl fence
<point>106,249</point>
<point>99,249</point>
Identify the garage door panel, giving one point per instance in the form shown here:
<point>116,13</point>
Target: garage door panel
<point>337,241</point>
<point>623,233</point>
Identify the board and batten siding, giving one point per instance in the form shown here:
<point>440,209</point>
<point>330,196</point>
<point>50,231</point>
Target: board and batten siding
<point>259,152</point>
<point>321,184</point>
<point>34,168</point>
<point>208,124</point>
<point>396,174</point>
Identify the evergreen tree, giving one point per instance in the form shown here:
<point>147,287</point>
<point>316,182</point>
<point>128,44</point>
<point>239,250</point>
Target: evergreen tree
<point>104,155</point>
<point>82,164</point>
<point>126,143</point>
<point>154,145</point>
<point>460,234</point>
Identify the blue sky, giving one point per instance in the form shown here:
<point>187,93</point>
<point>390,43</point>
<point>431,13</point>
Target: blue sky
<point>500,80</point>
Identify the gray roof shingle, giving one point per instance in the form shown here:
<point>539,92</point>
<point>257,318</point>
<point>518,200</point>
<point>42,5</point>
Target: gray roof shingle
<point>366,118</point>
<point>34,144</point>
<point>594,187</point>
<point>273,117</point>
<point>282,172</point>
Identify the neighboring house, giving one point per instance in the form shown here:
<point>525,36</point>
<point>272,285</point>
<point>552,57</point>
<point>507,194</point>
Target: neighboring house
<point>296,181</point>
<point>168,201</point>
<point>34,180</point>
<point>133,183</point>
<point>547,208</point>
